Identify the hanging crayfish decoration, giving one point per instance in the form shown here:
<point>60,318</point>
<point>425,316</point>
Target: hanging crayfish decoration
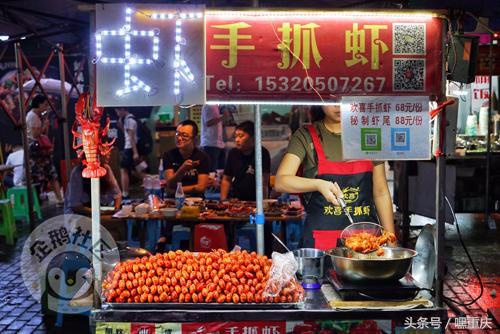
<point>90,136</point>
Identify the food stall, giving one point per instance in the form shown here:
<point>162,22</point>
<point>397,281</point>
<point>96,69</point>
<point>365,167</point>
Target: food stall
<point>242,292</point>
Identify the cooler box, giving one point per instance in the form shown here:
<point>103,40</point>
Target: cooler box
<point>208,237</point>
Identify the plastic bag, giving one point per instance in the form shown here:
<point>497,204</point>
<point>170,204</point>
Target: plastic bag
<point>282,285</point>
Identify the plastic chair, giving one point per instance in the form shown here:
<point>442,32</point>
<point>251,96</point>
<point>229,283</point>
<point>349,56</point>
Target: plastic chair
<point>20,196</point>
<point>153,233</point>
<point>246,238</point>
<point>180,233</point>
<point>8,223</point>
<point>294,234</point>
<point>208,237</point>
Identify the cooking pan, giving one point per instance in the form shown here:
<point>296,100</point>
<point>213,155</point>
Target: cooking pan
<point>391,266</point>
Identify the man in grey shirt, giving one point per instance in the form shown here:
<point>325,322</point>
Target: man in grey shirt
<point>212,142</point>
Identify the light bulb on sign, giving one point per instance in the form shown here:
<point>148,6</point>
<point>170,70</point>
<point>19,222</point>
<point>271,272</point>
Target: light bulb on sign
<point>128,60</point>
<point>132,83</point>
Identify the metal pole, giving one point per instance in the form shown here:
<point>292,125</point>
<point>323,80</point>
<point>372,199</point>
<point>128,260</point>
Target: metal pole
<point>440,188</point>
<point>439,210</point>
<point>259,216</point>
<point>92,75</point>
<point>22,112</point>
<point>491,224</point>
<point>96,239</point>
<point>95,197</point>
<point>64,109</point>
<point>404,200</point>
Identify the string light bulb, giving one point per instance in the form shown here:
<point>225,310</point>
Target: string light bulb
<point>132,83</point>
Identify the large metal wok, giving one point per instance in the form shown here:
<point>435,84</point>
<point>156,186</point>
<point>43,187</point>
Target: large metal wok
<point>353,266</point>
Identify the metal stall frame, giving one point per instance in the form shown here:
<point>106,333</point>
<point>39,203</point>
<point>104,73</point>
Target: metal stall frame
<point>100,313</point>
<point>21,60</point>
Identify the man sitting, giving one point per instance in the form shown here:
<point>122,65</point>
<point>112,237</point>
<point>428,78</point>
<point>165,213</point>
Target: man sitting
<point>15,160</point>
<point>239,174</point>
<point>186,163</point>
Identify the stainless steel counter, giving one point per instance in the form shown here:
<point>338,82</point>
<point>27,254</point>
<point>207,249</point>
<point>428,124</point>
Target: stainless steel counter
<point>315,308</point>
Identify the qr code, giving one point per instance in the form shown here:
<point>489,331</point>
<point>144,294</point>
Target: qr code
<point>408,38</point>
<point>408,74</point>
<point>371,139</point>
<point>400,139</point>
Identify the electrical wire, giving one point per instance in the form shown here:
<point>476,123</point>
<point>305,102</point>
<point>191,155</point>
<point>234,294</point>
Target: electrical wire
<point>470,260</point>
<point>453,46</point>
<point>300,61</point>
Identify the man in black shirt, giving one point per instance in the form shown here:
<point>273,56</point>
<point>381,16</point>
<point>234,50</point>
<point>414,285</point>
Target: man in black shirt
<point>239,174</point>
<point>186,163</point>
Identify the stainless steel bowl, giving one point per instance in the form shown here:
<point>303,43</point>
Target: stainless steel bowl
<point>311,262</point>
<point>353,266</point>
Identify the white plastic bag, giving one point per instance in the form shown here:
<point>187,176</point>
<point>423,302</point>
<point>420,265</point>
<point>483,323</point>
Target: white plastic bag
<point>282,286</point>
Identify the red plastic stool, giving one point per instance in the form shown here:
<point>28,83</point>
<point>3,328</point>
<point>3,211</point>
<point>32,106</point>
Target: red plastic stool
<point>208,237</point>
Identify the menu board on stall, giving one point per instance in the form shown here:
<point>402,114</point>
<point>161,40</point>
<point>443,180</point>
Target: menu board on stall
<point>385,127</point>
<point>321,56</point>
<point>148,55</point>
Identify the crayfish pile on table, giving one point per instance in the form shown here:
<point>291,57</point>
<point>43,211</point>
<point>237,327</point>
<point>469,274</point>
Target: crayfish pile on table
<point>364,242</point>
<point>186,277</point>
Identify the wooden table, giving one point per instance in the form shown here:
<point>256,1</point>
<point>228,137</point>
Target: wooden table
<point>230,224</point>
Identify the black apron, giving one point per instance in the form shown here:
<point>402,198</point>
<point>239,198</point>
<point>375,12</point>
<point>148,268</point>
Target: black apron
<point>325,221</point>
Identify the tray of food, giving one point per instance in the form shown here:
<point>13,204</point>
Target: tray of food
<point>202,306</point>
<point>183,279</point>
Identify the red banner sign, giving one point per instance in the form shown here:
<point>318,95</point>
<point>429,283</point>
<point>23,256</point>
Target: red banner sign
<point>278,56</point>
<point>235,327</point>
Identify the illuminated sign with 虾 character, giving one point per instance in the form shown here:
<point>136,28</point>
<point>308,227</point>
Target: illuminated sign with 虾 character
<point>149,55</point>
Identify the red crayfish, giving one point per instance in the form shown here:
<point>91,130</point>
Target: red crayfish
<point>90,136</point>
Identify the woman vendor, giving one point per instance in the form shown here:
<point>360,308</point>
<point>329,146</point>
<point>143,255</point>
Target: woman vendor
<point>325,177</point>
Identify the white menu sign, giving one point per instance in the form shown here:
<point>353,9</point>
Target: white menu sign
<point>386,127</point>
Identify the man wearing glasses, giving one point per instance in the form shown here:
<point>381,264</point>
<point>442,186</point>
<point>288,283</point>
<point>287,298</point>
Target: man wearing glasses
<point>186,163</point>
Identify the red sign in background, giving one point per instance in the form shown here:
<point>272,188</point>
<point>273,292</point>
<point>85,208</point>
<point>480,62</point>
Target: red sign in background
<point>313,57</point>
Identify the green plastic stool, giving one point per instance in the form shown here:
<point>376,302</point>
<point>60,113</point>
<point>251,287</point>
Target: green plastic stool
<point>8,223</point>
<point>20,196</point>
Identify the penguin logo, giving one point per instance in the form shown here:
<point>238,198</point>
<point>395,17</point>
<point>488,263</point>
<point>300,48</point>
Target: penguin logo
<point>68,279</point>
<point>56,263</point>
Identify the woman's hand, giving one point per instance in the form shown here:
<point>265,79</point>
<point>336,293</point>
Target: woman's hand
<point>330,190</point>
